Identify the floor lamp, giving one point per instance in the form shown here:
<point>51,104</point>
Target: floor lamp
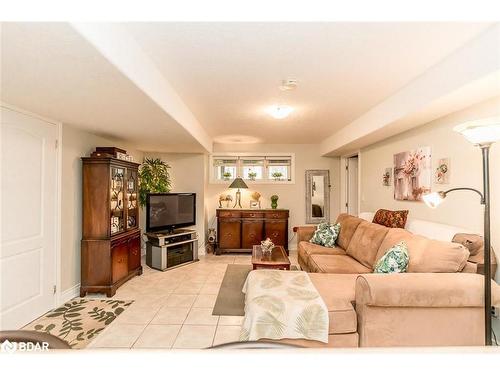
<point>481,133</point>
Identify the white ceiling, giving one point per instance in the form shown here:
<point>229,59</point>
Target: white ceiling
<point>49,69</point>
<point>227,73</point>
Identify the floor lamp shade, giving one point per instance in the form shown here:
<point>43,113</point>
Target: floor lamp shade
<point>481,132</point>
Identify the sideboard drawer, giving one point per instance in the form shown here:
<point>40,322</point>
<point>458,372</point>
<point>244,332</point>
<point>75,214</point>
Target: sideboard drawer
<point>276,230</point>
<point>252,215</point>
<point>229,213</point>
<point>277,215</point>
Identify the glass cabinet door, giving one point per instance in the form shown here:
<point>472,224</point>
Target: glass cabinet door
<point>132,195</point>
<point>117,209</point>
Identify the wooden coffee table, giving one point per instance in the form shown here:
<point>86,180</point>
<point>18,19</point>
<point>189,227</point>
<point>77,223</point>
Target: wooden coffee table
<point>276,260</point>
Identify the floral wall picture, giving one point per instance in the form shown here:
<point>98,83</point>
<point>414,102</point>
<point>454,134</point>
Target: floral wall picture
<point>442,172</point>
<point>386,177</point>
<point>412,174</point>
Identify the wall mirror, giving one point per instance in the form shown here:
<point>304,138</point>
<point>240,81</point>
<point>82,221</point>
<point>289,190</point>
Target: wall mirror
<point>317,196</point>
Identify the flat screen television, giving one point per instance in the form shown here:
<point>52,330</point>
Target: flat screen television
<point>167,211</point>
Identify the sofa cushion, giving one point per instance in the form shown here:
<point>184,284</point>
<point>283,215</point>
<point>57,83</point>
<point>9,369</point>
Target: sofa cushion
<point>473,242</point>
<point>436,256</point>
<point>391,219</point>
<point>393,237</point>
<point>326,234</point>
<point>427,255</point>
<point>365,242</point>
<point>336,264</point>
<point>348,225</point>
<point>305,249</point>
<point>395,260</point>
<point>337,292</point>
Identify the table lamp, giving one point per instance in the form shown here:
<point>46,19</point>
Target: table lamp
<point>238,183</point>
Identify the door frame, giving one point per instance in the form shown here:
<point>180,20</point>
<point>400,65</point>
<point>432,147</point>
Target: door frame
<point>344,182</point>
<point>58,192</point>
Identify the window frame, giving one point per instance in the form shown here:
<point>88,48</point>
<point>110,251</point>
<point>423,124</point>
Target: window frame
<point>239,168</point>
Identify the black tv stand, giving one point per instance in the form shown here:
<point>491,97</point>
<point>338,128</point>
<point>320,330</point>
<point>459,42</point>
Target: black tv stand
<point>169,249</point>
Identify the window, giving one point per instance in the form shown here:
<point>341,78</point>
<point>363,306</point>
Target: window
<point>278,168</point>
<point>225,168</point>
<point>257,168</point>
<point>253,168</point>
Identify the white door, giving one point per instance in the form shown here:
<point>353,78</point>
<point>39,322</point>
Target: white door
<point>29,218</point>
<point>352,185</point>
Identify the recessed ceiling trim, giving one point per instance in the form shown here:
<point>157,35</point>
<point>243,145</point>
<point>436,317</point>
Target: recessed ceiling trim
<point>466,67</point>
<point>121,49</point>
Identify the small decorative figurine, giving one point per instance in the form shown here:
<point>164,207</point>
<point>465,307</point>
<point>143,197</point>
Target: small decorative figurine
<point>255,201</point>
<point>267,246</point>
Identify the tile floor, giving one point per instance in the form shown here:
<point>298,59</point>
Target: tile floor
<point>173,309</point>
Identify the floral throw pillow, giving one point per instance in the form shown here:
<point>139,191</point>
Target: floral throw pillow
<point>391,219</point>
<point>326,234</point>
<point>395,260</point>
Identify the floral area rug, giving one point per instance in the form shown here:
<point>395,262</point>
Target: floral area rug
<point>79,320</point>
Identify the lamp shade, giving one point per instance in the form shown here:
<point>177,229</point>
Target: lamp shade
<point>481,132</point>
<point>238,183</point>
<point>434,199</point>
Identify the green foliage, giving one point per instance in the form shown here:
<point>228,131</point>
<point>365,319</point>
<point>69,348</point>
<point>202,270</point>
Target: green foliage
<point>154,177</point>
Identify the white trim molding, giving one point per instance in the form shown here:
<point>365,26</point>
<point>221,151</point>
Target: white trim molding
<point>291,155</point>
<point>68,294</point>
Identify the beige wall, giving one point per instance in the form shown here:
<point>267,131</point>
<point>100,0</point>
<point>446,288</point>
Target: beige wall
<point>75,144</point>
<point>461,208</point>
<point>291,196</point>
<point>188,176</point>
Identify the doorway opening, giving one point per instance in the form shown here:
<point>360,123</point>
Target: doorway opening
<point>352,185</point>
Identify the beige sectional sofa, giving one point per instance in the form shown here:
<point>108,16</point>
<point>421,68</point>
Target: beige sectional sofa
<point>438,302</point>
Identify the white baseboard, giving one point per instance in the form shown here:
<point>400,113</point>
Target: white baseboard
<point>70,293</point>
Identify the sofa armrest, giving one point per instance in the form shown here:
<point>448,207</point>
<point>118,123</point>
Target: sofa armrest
<point>423,290</point>
<point>304,233</point>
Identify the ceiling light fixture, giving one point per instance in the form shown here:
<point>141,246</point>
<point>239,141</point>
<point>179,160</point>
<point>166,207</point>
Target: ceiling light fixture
<point>288,84</point>
<point>280,111</point>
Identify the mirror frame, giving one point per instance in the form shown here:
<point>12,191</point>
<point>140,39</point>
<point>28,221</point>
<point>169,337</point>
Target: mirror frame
<point>309,177</point>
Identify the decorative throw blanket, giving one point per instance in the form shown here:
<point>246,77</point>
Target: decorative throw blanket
<point>283,305</point>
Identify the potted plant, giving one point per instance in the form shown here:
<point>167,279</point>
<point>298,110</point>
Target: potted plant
<point>154,177</point>
<point>274,201</point>
<point>277,175</point>
<point>226,175</point>
<point>252,175</point>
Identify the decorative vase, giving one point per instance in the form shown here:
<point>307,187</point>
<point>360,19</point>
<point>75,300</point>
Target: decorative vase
<point>274,202</point>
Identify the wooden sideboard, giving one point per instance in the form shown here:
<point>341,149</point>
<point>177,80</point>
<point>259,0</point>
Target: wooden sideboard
<point>239,229</point>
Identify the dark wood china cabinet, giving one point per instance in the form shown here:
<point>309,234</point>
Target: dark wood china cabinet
<point>111,238</point>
